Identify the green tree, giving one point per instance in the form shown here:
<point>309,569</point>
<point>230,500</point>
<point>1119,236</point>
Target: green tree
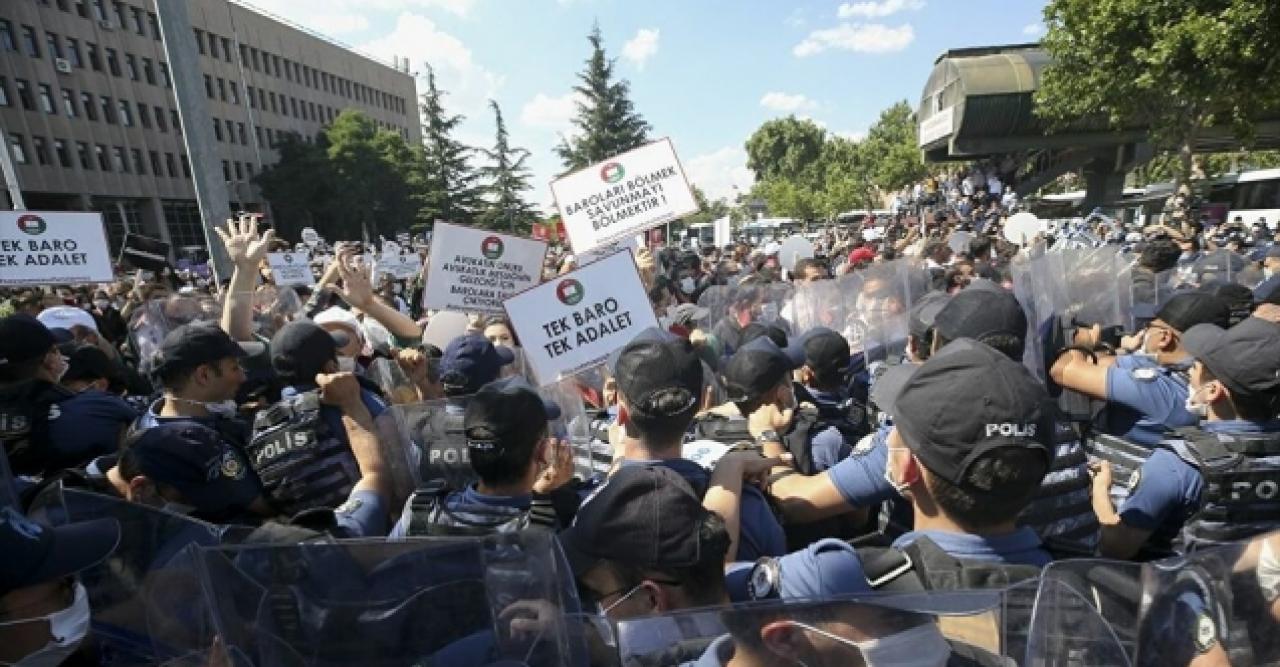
<point>1174,66</point>
<point>373,194</point>
<point>893,148</point>
<point>708,211</point>
<point>449,189</point>
<point>607,122</point>
<point>507,179</point>
<point>786,148</point>
<point>848,183</point>
<point>300,186</point>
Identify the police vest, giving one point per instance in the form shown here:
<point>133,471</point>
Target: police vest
<point>848,417</point>
<point>1241,497</point>
<point>922,565</point>
<point>430,515</point>
<point>1061,512</point>
<point>25,411</point>
<point>446,455</point>
<point>301,462</point>
<point>1126,459</point>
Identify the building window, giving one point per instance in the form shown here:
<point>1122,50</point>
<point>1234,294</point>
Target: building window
<point>117,159</point>
<point>46,99</point>
<point>244,139</point>
<point>82,152</point>
<point>92,50</point>
<point>29,43</point>
<point>257,131</point>
<point>69,103</point>
<point>6,36</point>
<point>226,171</point>
<point>272,96</point>
<point>183,220</point>
<point>138,27</point>
<point>24,94</point>
<point>208,86</point>
<point>155,163</point>
<point>82,8</point>
<point>104,162</point>
<point>171,165</point>
<point>175,121</point>
<point>164,74</point>
<point>144,116</point>
<point>222,89</point>
<point>275,62</point>
<point>248,168</point>
<point>120,17</point>
<point>55,46</point>
<point>154,22</point>
<point>199,39</point>
<point>213,44</point>
<point>288,70</point>
<point>148,72</point>
<point>160,122</point>
<point>294,103</point>
<point>131,65</point>
<point>60,150</point>
<point>139,167</point>
<point>126,114</point>
<point>226,49</point>
<point>239,171</point>
<point>19,147</point>
<point>113,61</point>
<point>41,149</point>
<point>73,52</point>
<point>217,129</point>
<point>90,111</point>
<point>231,135</point>
<point>100,10</point>
<point>271,140</point>
<point>4,92</point>
<point>235,93</point>
<point>244,55</point>
<point>253,57</point>
<point>186,166</point>
<point>108,110</point>
<point>248,93</point>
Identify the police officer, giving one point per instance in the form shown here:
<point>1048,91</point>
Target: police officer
<point>93,421</point>
<point>1146,390</point>
<point>516,460</point>
<point>44,609</point>
<point>828,421</point>
<point>968,476</point>
<point>30,367</point>
<point>1215,482</point>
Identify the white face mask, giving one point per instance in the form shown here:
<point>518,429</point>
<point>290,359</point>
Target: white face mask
<point>68,628</point>
<point>347,364</point>
<point>687,285</point>
<point>921,646</point>
<point>1200,410</point>
<point>227,408</point>
<point>888,474</point>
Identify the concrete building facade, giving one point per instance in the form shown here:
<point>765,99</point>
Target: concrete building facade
<point>88,113</point>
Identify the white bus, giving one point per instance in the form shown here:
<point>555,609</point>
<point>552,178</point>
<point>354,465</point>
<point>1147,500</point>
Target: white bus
<point>1250,195</point>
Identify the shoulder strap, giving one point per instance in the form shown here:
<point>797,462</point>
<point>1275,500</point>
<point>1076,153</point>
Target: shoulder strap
<point>425,505</point>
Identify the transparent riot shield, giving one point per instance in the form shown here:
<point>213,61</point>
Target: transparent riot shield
<point>444,601</point>
<point>1149,291</point>
<point>1090,287</point>
<point>575,428</point>
<point>274,307</point>
<point>146,599</point>
<point>1086,614</point>
<point>820,304</point>
<point>733,307</point>
<point>431,433</point>
<point>393,381</point>
<point>961,623</point>
<point>883,303</point>
<point>153,320</point>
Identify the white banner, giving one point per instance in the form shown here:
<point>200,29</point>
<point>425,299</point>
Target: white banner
<point>631,243</point>
<point>628,193</point>
<point>574,322</point>
<point>53,247</point>
<point>723,232</point>
<point>401,267</point>
<point>291,268</point>
<point>475,270</point>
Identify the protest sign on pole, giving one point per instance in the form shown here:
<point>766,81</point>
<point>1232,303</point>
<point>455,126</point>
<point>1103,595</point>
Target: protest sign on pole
<point>143,252</point>
<point>474,270</point>
<point>628,193</point>
<point>400,267</point>
<point>575,321</point>
<point>291,268</point>
<point>43,248</point>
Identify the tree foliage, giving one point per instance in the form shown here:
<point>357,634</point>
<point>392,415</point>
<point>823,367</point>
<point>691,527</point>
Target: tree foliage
<point>1174,66</point>
<point>507,179</point>
<point>449,189</point>
<point>606,123</point>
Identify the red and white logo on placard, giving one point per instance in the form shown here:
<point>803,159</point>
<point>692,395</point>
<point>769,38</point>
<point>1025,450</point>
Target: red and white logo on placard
<point>570,292</point>
<point>492,247</point>
<point>32,224</point>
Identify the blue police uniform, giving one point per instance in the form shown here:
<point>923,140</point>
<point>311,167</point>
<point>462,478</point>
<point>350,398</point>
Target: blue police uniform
<point>470,501</point>
<point>860,476</point>
<point>332,416</point>
<point>363,515</point>
<point>828,447</point>
<point>1146,399</point>
<point>88,424</point>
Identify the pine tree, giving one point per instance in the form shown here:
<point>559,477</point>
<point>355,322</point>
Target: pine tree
<point>507,177</point>
<point>448,190</point>
<point>607,122</point>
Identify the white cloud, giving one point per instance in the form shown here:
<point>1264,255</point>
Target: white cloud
<point>550,113</point>
<point>639,49</point>
<point>857,37</point>
<point>873,10</point>
<point>719,171</point>
<point>786,103</point>
<point>1033,29</point>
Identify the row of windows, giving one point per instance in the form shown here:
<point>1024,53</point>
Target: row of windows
<point>127,17</point>
<point>137,69</point>
<point>265,100</point>
<point>87,104</point>
<point>98,157</point>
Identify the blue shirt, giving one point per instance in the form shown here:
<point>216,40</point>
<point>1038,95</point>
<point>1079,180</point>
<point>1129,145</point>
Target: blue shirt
<point>460,502</point>
<point>1166,491</point>
<point>332,416</point>
<point>89,425</point>
<point>1146,399</point>
<point>860,477</point>
<point>363,515</point>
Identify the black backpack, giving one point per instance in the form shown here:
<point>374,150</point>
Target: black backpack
<point>24,425</point>
<point>848,417</point>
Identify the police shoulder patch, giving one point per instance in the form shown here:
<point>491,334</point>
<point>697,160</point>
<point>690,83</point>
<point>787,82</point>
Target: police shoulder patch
<point>1206,632</point>
<point>1134,480</point>
<point>1145,374</point>
<point>351,506</point>
<point>231,466</point>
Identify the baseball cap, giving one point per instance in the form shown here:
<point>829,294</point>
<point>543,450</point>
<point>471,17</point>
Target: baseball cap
<point>967,400</point>
<point>647,335</point>
<point>687,314</point>
<point>66,317</point>
<point>340,316</point>
<point>86,362</point>
<point>36,554</point>
<point>646,516</point>
<point>648,366</point>
<point>923,313</point>
<point>300,349</point>
<point>23,338</point>
<point>502,413</point>
<point>1245,358</point>
<point>192,458</point>
<point>755,369</point>
<point>1188,309</point>
<point>473,362</point>
<point>978,313</point>
<point>192,345</point>
<point>518,382</point>
<point>863,254</point>
<point>820,349</point>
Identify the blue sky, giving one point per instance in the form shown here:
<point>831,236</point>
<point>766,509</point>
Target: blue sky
<point>706,73</point>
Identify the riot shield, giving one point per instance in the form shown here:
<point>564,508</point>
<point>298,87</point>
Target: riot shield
<point>964,623</point>
<point>153,320</point>
<point>274,307</point>
<point>733,307</point>
<point>574,428</point>
<point>1148,293</point>
<point>437,601</point>
<point>146,598</point>
<point>818,304</point>
<point>1086,614</point>
<point>431,434</point>
<point>393,381</point>
<point>883,303</point>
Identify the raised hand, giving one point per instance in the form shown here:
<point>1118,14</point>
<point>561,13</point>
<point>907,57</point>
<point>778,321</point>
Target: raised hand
<point>244,246</point>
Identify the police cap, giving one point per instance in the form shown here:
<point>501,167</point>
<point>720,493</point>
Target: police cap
<point>1188,309</point>
<point>1245,358</point>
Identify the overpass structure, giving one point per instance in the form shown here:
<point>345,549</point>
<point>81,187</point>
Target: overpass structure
<point>978,104</point>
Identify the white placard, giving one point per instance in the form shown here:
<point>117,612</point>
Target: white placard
<point>390,248</point>
<point>793,250</point>
<point>53,247</point>
<point>1022,227</point>
<point>575,321</point>
<point>291,268</point>
<point>310,237</point>
<point>723,231</point>
<point>401,267</point>
<point>628,193</point>
<point>598,253</point>
<point>475,270</point>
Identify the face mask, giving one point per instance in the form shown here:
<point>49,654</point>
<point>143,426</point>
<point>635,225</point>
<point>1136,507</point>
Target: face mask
<point>1200,410</point>
<point>909,648</point>
<point>68,628</point>
<point>687,285</point>
<point>347,364</point>
<point>101,304</point>
<point>888,476</point>
<point>603,612</point>
<point>227,408</point>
